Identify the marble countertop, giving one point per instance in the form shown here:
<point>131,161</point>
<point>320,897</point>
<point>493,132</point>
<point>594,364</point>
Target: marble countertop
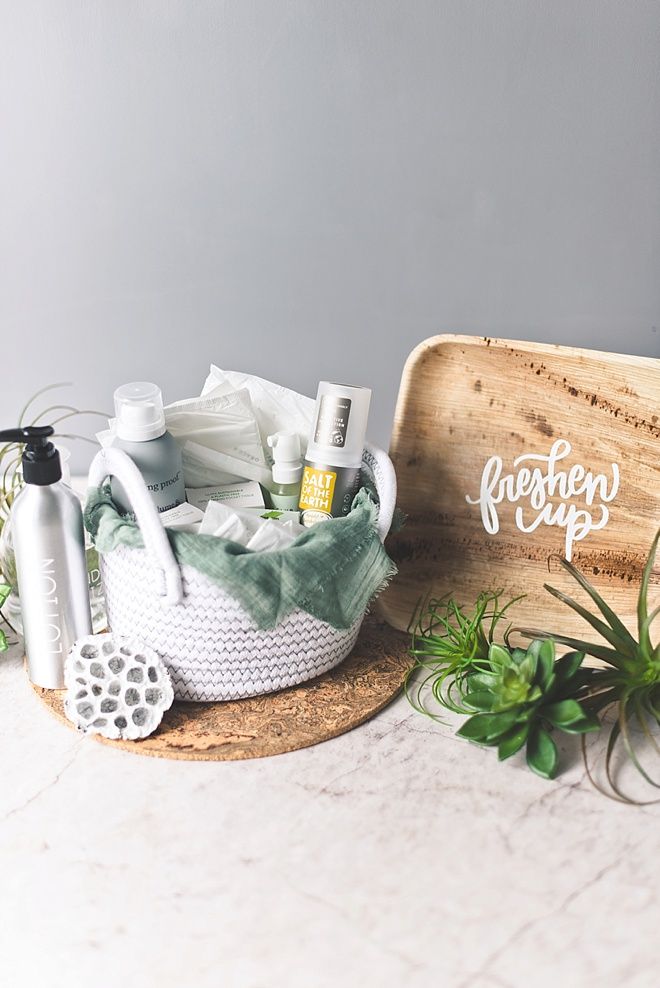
<point>394,855</point>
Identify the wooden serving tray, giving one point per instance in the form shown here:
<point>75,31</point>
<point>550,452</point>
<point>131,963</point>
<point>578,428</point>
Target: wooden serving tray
<point>465,401</point>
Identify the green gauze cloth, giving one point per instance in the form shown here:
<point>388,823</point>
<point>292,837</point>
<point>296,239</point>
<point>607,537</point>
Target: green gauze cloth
<point>331,571</point>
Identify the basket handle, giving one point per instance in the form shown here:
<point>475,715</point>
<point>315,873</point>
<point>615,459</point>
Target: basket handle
<point>382,469</point>
<point>110,462</point>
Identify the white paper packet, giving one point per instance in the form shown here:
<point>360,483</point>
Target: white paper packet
<point>247,494</point>
<point>220,421</point>
<point>276,408</point>
<point>183,518</point>
<point>246,527</point>
<point>221,521</point>
<point>270,537</point>
<point>204,467</point>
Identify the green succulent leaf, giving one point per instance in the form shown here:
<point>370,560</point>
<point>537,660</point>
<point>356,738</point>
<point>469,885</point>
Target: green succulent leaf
<point>567,666</point>
<point>3,641</point>
<point>587,724</point>
<point>487,728</point>
<point>512,742</point>
<point>518,655</point>
<point>527,668</point>
<point>563,713</point>
<point>499,658</point>
<point>482,681</point>
<point>480,700</point>
<point>542,755</point>
<point>546,663</point>
<point>5,591</point>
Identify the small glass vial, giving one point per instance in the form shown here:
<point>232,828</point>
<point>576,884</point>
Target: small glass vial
<point>287,470</point>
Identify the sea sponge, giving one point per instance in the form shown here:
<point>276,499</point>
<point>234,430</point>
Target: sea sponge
<point>116,686</point>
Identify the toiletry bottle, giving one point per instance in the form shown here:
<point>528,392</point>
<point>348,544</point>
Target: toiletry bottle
<point>331,477</point>
<point>287,470</point>
<point>11,609</point>
<point>49,544</point>
<point>140,431</point>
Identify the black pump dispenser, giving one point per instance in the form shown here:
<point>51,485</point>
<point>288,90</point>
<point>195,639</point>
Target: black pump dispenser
<point>41,460</point>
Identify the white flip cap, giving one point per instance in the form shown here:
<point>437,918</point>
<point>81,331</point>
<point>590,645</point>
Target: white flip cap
<point>287,465</point>
<point>139,412</point>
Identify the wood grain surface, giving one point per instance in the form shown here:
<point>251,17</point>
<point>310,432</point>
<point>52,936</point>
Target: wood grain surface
<point>330,705</point>
<point>465,399</point>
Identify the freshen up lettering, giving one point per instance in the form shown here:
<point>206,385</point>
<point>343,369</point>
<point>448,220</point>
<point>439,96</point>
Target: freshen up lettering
<point>538,485</point>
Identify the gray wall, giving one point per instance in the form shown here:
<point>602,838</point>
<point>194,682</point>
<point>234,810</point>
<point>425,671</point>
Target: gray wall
<point>308,188</point>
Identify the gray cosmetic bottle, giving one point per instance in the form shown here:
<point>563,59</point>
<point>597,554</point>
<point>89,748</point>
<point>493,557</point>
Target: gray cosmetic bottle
<point>49,545</point>
<point>140,431</point>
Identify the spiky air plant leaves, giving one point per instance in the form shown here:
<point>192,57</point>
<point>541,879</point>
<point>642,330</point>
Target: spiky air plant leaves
<point>447,642</point>
<point>630,681</point>
<point>521,695</point>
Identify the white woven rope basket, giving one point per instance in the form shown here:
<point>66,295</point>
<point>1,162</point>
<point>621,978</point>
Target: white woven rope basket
<point>212,647</point>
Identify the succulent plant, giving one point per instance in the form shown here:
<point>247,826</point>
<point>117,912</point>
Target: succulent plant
<point>520,696</point>
<point>630,680</point>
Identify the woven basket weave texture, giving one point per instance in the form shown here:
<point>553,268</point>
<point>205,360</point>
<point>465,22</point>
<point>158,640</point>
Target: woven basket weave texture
<point>212,647</point>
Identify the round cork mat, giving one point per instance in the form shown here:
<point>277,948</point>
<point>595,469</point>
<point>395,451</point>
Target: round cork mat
<point>364,683</point>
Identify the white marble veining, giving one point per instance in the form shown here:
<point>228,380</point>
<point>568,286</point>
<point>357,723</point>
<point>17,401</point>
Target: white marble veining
<point>395,855</point>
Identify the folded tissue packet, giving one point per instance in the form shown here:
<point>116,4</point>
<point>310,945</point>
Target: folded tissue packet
<point>276,408</point>
<point>248,528</point>
<point>220,438</point>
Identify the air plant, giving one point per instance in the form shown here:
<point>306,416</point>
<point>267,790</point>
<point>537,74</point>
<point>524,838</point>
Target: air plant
<point>630,681</point>
<point>447,644</point>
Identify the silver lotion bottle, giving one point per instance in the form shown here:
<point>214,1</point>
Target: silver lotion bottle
<point>49,546</point>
